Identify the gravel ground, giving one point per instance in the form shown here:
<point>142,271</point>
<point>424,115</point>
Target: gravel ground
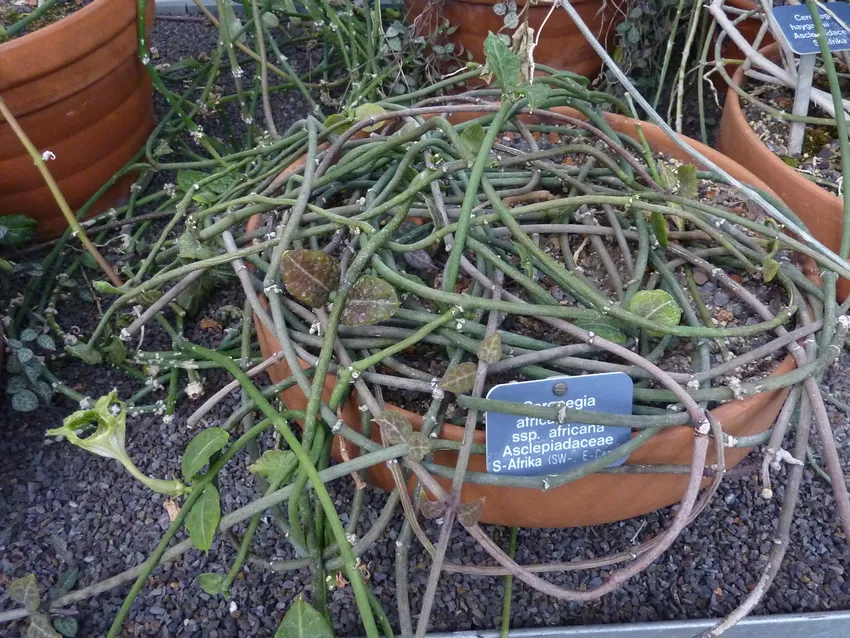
<point>110,523</point>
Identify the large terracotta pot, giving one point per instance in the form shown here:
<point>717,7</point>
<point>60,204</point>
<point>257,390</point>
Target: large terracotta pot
<point>748,28</point>
<point>78,90</point>
<point>599,498</point>
<point>562,45</point>
<point>821,211</point>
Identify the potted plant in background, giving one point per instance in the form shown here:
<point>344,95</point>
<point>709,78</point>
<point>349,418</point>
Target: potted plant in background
<point>78,89</point>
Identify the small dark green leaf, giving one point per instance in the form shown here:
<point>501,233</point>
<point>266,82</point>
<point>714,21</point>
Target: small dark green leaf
<point>29,335</point>
<point>88,260</point>
<point>24,401</point>
<point>193,298</point>
<point>659,228</point>
<point>418,446</point>
<point>371,301</point>
<point>163,148</point>
<point>275,465</point>
<point>303,621</point>
<point>420,259</point>
<point>32,370</point>
<point>471,140</point>
<point>25,591</point>
<point>502,62</point>
<point>24,355</point>
<point>14,344</point>
<point>470,513</point>
<point>656,305</point>
<point>66,625</point>
<point>269,19</point>
<point>46,341</point>
<point>395,428</point>
<point>116,351</point>
<point>40,627</point>
<point>537,93</point>
<point>603,327</point>
<point>490,349</point>
<point>106,288</point>
<point>688,185</point>
<point>309,275</point>
<point>16,384</point>
<point>202,520</point>
<point>335,120</point>
<point>66,581</point>
<point>432,509</point>
<point>210,583</point>
<point>770,269</point>
<point>85,352</point>
<point>201,448</point>
<point>191,248</point>
<point>460,378</point>
<point>16,230</point>
<point>367,110</point>
<point>667,177</point>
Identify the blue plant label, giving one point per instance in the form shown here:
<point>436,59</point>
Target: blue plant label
<point>798,28</point>
<point>528,446</point>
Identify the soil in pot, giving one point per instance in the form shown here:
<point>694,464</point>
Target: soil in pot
<point>12,11</point>
<point>576,503</point>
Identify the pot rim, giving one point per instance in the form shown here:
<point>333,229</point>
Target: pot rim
<point>455,433</point>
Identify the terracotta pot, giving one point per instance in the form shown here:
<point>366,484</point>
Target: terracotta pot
<point>599,498</point>
<point>821,211</point>
<point>78,90</point>
<point>562,46</point>
<point>748,28</point>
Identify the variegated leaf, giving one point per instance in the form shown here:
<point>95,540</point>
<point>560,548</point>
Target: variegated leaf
<point>25,591</point>
<point>371,301</point>
<point>469,513</point>
<point>460,378</point>
<point>490,349</point>
<point>418,446</point>
<point>395,428</point>
<point>309,275</point>
<point>432,509</point>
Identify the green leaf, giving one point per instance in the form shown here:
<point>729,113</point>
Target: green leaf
<point>66,625</point>
<point>656,305</point>
<point>40,627</point>
<point>210,583</point>
<point>190,247</point>
<point>201,448</point>
<point>25,591</point>
<point>46,342</point>
<point>106,288</point>
<point>490,349</point>
<point>85,352</point>
<point>188,178</point>
<point>335,120</point>
<point>309,275</point>
<point>502,62</point>
<point>418,446</point>
<point>16,230</point>
<point>116,351</point>
<point>24,401</point>
<point>24,355</point>
<point>29,335</point>
<point>537,93</point>
<point>688,184</point>
<point>460,378</point>
<point>659,228</point>
<point>371,301</point>
<point>770,269</point>
<point>275,465</point>
<point>471,140</point>
<point>43,390</point>
<point>163,148</point>
<point>470,513</point>
<point>269,19</point>
<point>303,621</point>
<point>234,25</point>
<point>605,328</point>
<point>195,296</point>
<point>15,384</point>
<point>88,260</point>
<point>65,582</point>
<point>368,110</point>
<point>395,427</point>
<point>203,518</point>
<point>667,177</point>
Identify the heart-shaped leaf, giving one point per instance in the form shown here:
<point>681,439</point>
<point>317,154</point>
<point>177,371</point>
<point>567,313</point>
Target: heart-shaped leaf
<point>335,120</point>
<point>85,352</point>
<point>537,93</point>
<point>419,259</point>
<point>25,591</point>
<point>471,140</point>
<point>66,625</point>
<point>656,305</point>
<point>371,301</point>
<point>470,513</point>
<point>432,509</point>
<point>303,621</point>
<point>603,327</point>
<point>40,627</point>
<point>190,247</point>
<point>66,581</point>
<point>460,378</point>
<point>395,428</point>
<point>201,448</point>
<point>502,62</point>
<point>116,351</point>
<point>46,342</point>
<point>203,518</point>
<point>309,275</point>
<point>15,384</point>
<point>269,19</point>
<point>659,228</point>
<point>29,335</point>
<point>24,401</point>
<point>210,583</point>
<point>43,389</point>
<point>770,269</point>
<point>667,177</point>
<point>368,110</point>
<point>275,465</point>
<point>688,184</point>
<point>490,349</point>
<point>418,446</point>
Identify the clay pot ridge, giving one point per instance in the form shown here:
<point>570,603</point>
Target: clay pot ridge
<point>598,498</point>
